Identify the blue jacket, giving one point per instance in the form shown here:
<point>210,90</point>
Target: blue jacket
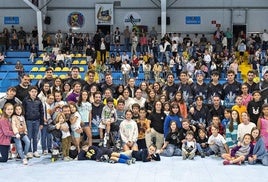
<point>33,109</point>
<point>167,122</point>
<point>259,149</point>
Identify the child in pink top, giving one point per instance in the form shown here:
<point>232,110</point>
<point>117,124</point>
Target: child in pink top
<point>263,124</point>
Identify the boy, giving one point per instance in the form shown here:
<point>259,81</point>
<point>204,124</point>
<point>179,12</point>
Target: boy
<point>217,143</point>
<point>108,116</point>
<point>136,110</point>
<point>238,106</point>
<point>34,116</point>
<point>94,153</point>
<point>189,146</point>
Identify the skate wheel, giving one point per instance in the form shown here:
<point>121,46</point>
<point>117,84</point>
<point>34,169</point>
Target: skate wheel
<point>52,160</point>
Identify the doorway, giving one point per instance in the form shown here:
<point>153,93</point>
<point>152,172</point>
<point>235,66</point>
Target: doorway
<point>236,31</point>
<point>104,28</point>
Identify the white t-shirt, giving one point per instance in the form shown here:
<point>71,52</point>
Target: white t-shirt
<point>218,140</point>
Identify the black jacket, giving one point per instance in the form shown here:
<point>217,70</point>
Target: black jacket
<point>33,109</point>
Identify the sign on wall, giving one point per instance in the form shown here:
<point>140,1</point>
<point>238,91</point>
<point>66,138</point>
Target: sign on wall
<point>104,14</point>
<point>75,20</point>
<point>132,19</point>
<point>192,20</point>
<point>11,20</point>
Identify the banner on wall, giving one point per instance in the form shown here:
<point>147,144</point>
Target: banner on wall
<point>192,20</point>
<point>104,14</point>
<point>75,20</point>
<point>132,19</point>
<point>11,20</point>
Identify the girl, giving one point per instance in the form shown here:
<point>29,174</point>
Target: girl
<point>246,97</point>
<point>149,103</point>
<point>231,129</point>
<point>84,109</point>
<point>63,126</point>
<point>75,121</point>
<point>181,103</point>
<point>129,132</point>
<point>245,126</point>
<point>259,152</point>
<point>227,117</point>
<point>93,89</point>
<point>174,115</point>
<point>57,85</point>
<point>172,142</point>
<point>129,157</point>
<point>166,107</point>
<point>45,91</point>
<point>19,127</point>
<point>66,90</point>
<point>263,124</point>
<point>143,128</point>
<point>144,89</point>
<point>6,131</point>
<point>239,153</point>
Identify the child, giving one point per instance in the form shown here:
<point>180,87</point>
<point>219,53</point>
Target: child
<point>20,130</point>
<point>5,131</point>
<point>216,121</point>
<point>244,127</point>
<point>34,115</point>
<point>239,153</point>
<point>231,130</point>
<point>216,142</point>
<point>75,121</point>
<point>84,109</point>
<point>94,153</point>
<point>63,126</point>
<point>202,142</point>
<point>254,107</point>
<point>238,106</point>
<point>263,124</point>
<point>108,116</point>
<point>129,157</point>
<point>143,128</point>
<point>189,146</point>
<point>166,106</point>
<point>135,111</point>
<point>227,117</point>
<point>172,142</point>
<point>129,132</point>
<point>259,152</point>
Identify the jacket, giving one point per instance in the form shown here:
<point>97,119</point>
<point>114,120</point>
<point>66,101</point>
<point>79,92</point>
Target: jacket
<point>259,149</point>
<point>235,149</point>
<point>33,109</point>
<point>5,132</point>
<point>17,123</point>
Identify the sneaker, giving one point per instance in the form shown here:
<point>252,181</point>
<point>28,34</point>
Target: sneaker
<point>107,137</point>
<point>18,158</point>
<point>133,160</point>
<point>129,162</point>
<point>184,157</point>
<point>29,155</point>
<point>111,161</point>
<point>24,161</point>
<point>202,155</point>
<point>66,159</point>
<point>36,154</point>
<point>226,163</point>
<point>45,152</point>
<point>101,143</point>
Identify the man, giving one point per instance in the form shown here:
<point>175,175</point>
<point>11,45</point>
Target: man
<point>108,83</point>
<point>97,107</point>
<point>75,72</point>
<point>138,98</point>
<point>23,88</point>
<point>127,34</point>
<point>103,48</point>
<point>263,85</point>
<point>252,86</point>
<point>216,108</point>
<point>214,87</point>
<point>48,78</point>
<point>185,87</point>
<point>9,97</point>
<point>170,87</point>
<point>126,69</point>
<point>90,80</point>
<point>200,88</point>
<point>231,89</point>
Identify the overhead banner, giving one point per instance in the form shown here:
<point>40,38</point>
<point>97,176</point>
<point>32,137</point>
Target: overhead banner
<point>11,20</point>
<point>104,14</point>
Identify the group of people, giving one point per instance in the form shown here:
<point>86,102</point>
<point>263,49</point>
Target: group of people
<point>149,121</point>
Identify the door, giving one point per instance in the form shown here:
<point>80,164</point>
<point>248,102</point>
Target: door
<point>237,29</point>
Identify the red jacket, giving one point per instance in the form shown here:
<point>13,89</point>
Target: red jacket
<point>5,131</point>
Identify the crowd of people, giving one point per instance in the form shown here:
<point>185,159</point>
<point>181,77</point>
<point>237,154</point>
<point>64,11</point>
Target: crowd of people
<point>155,118</point>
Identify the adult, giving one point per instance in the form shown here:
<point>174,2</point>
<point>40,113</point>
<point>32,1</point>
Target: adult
<point>127,35</point>
<point>48,78</point>
<point>74,96</point>
<point>75,76</point>
<point>231,89</point>
<point>23,88</point>
<point>263,86</point>
<point>245,126</point>
<point>138,98</point>
<point>108,83</point>
<point>170,87</point>
<point>216,108</point>
<point>103,48</point>
<point>185,88</point>
<point>90,80</point>
<point>157,118</point>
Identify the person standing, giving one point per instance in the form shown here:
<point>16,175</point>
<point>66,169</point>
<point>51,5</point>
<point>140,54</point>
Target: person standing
<point>127,34</point>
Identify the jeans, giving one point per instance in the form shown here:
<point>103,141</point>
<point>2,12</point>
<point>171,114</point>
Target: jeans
<point>33,129</point>
<point>127,47</point>
<point>4,149</point>
<point>171,150</point>
<point>46,139</point>
<point>19,147</point>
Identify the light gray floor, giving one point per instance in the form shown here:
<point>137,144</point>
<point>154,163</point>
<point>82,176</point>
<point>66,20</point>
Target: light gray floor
<point>171,169</point>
